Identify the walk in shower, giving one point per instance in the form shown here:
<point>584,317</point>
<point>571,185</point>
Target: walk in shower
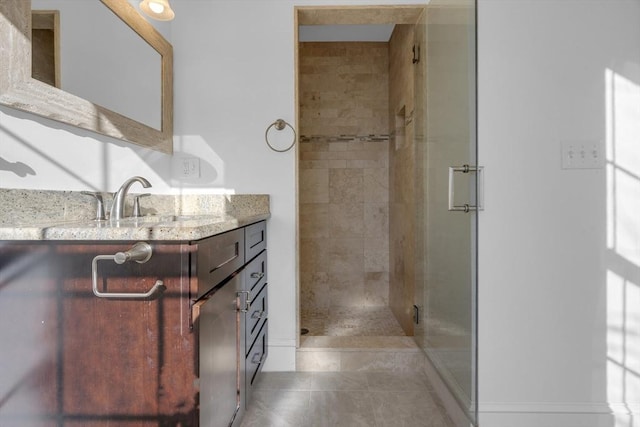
<point>344,190</point>
<point>380,124</point>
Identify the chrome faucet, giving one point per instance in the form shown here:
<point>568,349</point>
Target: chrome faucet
<point>117,208</point>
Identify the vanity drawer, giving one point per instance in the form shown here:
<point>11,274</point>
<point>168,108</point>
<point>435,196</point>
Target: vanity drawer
<point>255,360</point>
<point>255,238</point>
<point>255,275</point>
<point>255,317</point>
<point>218,257</point>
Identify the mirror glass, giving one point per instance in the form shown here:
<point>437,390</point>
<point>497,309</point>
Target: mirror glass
<point>120,72</point>
<point>114,72</point>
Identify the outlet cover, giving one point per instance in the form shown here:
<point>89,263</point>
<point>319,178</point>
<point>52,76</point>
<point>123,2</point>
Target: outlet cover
<point>582,154</point>
<point>186,167</point>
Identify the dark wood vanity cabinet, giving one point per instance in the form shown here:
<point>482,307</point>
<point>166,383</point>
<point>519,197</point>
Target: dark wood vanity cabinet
<point>69,358</point>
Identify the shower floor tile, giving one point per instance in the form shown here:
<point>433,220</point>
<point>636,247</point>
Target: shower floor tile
<point>351,321</point>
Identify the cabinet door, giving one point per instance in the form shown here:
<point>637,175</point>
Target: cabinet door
<point>255,360</point>
<point>89,361</point>
<point>29,336</point>
<point>255,317</point>
<point>218,330</point>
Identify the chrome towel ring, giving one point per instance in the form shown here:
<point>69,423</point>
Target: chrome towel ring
<point>280,125</point>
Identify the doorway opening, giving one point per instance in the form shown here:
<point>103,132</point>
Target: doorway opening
<point>350,88</point>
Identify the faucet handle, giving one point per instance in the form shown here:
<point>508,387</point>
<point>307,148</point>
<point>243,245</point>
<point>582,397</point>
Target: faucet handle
<point>100,206</point>
<point>136,203</point>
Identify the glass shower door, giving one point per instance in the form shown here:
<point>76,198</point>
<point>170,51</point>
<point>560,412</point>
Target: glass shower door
<point>446,291</point>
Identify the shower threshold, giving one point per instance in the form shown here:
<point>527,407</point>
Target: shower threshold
<point>359,354</point>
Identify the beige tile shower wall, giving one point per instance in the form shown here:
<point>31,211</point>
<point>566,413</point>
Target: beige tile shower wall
<point>344,223</point>
<point>343,88</point>
<point>402,155</point>
<point>343,185</point>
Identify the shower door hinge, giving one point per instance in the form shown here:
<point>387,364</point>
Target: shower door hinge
<point>416,54</point>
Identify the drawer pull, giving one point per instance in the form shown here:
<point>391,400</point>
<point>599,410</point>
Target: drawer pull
<point>259,314</point>
<point>257,358</point>
<point>235,253</point>
<point>257,275</point>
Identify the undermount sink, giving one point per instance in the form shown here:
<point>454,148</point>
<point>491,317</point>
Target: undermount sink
<point>148,220</point>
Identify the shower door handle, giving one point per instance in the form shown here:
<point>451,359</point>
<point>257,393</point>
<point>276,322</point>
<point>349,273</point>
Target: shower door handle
<point>467,207</point>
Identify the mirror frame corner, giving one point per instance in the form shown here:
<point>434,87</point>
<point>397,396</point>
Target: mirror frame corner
<point>20,91</point>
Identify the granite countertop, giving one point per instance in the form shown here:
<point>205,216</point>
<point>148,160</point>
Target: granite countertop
<point>49,215</point>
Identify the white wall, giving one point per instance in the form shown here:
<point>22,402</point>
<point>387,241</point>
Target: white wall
<point>234,75</point>
<point>559,310</point>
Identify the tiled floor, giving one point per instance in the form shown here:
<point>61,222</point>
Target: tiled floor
<point>381,383</point>
<point>351,321</point>
<point>348,399</point>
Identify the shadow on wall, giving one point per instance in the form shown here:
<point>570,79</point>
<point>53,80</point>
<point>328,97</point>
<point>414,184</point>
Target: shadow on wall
<point>623,243</point>
<point>54,160</point>
<point>53,156</point>
<point>23,170</point>
<point>18,168</point>
<point>112,160</point>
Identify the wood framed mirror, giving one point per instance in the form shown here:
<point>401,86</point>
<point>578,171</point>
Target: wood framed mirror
<point>19,90</point>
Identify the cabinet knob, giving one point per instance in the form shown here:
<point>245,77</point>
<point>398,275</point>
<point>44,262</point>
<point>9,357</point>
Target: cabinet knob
<point>259,314</point>
<point>257,358</point>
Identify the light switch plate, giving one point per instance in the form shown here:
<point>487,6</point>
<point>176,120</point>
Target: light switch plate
<point>582,154</point>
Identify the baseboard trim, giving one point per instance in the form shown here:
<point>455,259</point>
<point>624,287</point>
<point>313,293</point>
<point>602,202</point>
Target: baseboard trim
<point>549,420</point>
<point>535,414</point>
<point>281,357</point>
<point>560,407</point>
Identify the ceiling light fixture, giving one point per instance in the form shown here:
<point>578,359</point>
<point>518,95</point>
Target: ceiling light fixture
<point>157,9</point>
